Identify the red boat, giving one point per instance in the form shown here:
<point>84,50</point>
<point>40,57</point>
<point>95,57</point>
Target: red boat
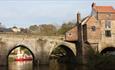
<point>23,59</point>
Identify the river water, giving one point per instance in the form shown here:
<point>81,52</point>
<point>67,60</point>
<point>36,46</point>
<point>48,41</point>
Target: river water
<point>27,65</point>
<point>23,65</point>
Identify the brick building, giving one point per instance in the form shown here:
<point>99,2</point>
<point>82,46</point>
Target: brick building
<point>96,30</point>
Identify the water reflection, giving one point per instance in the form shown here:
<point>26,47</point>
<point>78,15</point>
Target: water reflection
<point>17,65</point>
<point>53,65</point>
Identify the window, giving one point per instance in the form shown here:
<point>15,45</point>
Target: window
<point>93,28</point>
<point>69,33</point>
<point>107,33</point>
<point>107,24</point>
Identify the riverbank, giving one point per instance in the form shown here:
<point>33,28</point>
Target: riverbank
<point>98,61</point>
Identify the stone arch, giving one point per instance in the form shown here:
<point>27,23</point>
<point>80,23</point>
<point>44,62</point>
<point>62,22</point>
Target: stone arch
<point>71,46</point>
<point>68,56</point>
<point>33,61</point>
<point>66,48</point>
<point>108,49</point>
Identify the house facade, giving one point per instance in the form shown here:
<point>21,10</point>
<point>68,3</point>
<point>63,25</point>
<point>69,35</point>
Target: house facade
<point>96,30</point>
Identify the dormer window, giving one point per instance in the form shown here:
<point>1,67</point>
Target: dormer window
<point>107,24</point>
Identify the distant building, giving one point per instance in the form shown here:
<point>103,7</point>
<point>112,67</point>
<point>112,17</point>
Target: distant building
<point>15,29</point>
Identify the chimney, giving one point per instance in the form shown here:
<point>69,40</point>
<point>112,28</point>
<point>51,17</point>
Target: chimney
<point>93,4</point>
<point>78,18</point>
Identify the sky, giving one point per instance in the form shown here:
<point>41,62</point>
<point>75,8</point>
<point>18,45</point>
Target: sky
<point>24,13</point>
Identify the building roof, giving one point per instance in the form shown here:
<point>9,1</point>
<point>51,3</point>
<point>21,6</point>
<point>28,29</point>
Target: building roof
<point>85,20</point>
<point>103,8</point>
<point>90,20</point>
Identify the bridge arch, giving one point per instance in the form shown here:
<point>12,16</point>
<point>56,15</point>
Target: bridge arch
<point>23,46</point>
<point>70,46</point>
<point>63,53</point>
<point>108,50</point>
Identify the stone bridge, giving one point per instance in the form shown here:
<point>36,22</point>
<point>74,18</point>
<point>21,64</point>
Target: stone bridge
<point>40,46</point>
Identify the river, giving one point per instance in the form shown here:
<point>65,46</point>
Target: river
<point>27,65</point>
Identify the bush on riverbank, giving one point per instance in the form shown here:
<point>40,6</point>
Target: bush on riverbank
<point>97,61</point>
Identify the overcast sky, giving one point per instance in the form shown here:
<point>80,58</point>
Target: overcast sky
<point>24,13</point>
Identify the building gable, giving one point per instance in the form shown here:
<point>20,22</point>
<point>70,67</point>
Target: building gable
<point>72,34</point>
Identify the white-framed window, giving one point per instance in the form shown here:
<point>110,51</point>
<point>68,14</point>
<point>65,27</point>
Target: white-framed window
<point>107,24</point>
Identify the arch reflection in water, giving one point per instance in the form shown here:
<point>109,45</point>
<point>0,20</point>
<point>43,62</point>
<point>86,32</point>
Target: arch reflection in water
<point>20,58</point>
<point>25,65</point>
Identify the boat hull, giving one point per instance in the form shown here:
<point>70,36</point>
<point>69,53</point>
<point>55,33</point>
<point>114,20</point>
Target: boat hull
<point>23,59</point>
